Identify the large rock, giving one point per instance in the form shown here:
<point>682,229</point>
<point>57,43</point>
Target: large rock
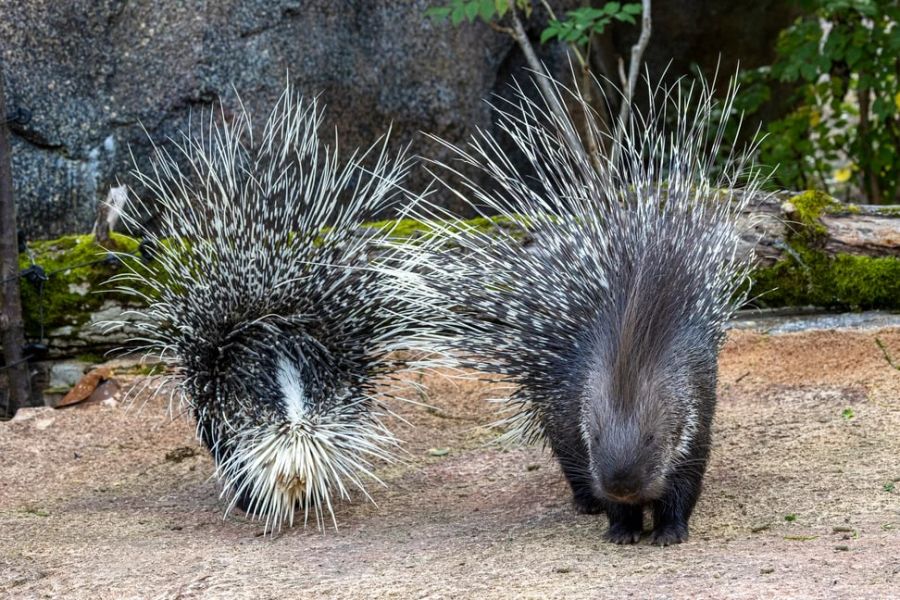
<point>93,72</point>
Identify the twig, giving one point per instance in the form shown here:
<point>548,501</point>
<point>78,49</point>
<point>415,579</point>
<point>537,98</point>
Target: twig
<point>542,78</point>
<point>887,356</point>
<point>634,67</point>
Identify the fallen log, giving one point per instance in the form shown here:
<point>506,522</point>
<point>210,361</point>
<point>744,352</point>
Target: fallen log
<point>811,250</point>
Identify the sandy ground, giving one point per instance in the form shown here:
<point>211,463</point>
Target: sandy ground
<point>801,501</point>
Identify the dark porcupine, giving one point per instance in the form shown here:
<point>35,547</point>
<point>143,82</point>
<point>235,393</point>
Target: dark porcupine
<point>609,326</point>
<point>261,295</point>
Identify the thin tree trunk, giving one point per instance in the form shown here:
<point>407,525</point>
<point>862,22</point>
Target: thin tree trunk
<point>542,79</point>
<point>12,329</point>
<point>870,177</point>
<point>634,69</point>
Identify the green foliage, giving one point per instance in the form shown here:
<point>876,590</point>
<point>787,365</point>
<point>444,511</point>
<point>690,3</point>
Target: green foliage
<point>844,126</point>
<point>581,23</point>
<point>576,29</point>
<point>470,10</point>
<point>74,277</point>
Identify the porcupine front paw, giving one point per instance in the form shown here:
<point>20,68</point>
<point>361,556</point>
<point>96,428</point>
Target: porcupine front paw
<point>669,535</point>
<point>626,523</point>
<point>622,534</point>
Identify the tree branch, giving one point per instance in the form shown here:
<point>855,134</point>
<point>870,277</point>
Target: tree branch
<point>542,80</point>
<point>634,68</point>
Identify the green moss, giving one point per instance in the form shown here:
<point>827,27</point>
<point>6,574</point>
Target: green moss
<point>866,282</point>
<point>75,277</point>
<point>62,390</point>
<point>93,359</point>
<point>411,229</point>
<point>808,275</point>
<point>403,228</point>
<point>809,206</point>
<point>146,370</point>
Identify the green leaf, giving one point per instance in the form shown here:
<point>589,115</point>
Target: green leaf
<point>625,18</point>
<point>458,14</point>
<point>486,10</point>
<point>549,33</point>
<point>525,7</point>
<point>501,6</point>
<point>612,7</point>
<point>632,9</point>
<point>809,72</point>
<point>472,10</point>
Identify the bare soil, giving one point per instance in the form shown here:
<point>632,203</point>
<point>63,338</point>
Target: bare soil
<point>801,500</point>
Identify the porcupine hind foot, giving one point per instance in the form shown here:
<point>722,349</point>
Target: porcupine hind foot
<point>586,503</point>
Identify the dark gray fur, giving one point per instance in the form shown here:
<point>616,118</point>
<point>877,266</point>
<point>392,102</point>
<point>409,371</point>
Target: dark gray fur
<point>610,325</point>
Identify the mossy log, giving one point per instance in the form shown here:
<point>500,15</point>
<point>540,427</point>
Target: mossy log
<point>815,251</point>
<point>811,250</point>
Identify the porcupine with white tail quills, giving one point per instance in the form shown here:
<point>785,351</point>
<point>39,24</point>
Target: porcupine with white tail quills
<point>609,326</point>
<point>282,337</point>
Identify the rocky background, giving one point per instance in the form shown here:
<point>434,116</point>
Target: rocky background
<point>94,74</point>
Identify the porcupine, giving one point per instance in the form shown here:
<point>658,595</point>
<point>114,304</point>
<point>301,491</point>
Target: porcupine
<point>609,327</point>
<point>259,292</point>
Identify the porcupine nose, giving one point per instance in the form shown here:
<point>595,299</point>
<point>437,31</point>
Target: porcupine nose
<point>623,485</point>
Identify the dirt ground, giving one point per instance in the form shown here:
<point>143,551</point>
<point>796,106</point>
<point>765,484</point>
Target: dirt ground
<point>802,500</point>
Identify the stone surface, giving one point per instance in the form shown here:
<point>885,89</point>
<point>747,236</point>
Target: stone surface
<point>107,393</point>
<point>94,72</point>
<point>66,373</point>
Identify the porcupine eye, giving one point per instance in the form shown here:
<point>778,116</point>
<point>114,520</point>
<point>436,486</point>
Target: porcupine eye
<point>649,439</point>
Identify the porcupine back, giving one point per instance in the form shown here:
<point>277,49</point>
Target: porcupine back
<point>609,326</point>
<point>262,298</point>
<point>642,243</point>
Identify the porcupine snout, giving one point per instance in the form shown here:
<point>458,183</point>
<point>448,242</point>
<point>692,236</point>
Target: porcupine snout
<point>618,471</point>
<point>623,484</point>
<point>626,456</point>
